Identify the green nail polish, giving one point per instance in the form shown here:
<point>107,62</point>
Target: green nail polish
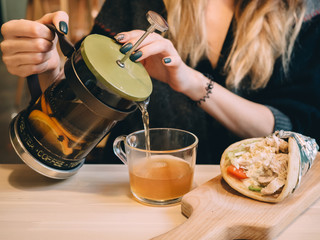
<point>135,56</point>
<point>63,27</point>
<point>126,48</point>
<point>167,60</point>
<point>119,37</point>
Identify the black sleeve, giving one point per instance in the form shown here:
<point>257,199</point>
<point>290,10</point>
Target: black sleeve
<point>281,121</point>
<point>124,15</point>
<point>297,94</point>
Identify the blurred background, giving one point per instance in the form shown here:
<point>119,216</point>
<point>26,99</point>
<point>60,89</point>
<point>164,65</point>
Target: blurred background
<point>14,95</point>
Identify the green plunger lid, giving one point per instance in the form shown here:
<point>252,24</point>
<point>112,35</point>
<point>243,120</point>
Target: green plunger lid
<point>100,54</point>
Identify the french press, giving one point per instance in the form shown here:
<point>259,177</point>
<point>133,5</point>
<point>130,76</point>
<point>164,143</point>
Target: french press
<point>59,128</point>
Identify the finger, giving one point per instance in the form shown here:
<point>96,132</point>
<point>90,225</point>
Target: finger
<point>163,47</point>
<point>25,45</point>
<point>27,70</point>
<point>134,35</point>
<point>25,28</point>
<point>27,59</point>
<point>152,37</point>
<point>56,18</point>
<point>124,37</point>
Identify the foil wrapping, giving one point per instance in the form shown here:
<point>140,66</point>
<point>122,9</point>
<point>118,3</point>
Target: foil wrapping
<point>308,151</point>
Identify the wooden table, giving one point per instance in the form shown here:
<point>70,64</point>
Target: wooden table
<point>96,203</point>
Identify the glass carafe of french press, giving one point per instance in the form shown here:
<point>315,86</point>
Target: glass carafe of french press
<point>62,125</point>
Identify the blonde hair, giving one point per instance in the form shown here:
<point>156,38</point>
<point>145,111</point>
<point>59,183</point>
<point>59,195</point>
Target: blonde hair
<point>264,31</point>
<point>186,28</point>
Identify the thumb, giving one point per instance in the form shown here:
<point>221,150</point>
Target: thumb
<point>60,20</point>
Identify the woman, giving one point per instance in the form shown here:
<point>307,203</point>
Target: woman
<point>225,70</point>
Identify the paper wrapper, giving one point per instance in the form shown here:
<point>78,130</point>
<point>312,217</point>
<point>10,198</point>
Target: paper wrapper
<point>302,152</point>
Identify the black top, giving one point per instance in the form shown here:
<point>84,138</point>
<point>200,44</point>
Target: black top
<point>294,98</point>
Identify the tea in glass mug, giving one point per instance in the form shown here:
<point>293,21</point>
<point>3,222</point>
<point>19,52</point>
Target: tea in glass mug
<point>163,174</point>
<point>161,177</point>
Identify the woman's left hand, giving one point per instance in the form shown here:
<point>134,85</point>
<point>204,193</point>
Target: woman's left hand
<point>160,58</point>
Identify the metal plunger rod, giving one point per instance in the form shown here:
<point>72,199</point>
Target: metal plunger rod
<point>157,22</point>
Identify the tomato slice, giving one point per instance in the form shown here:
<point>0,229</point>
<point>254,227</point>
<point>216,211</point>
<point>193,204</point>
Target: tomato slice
<point>236,172</point>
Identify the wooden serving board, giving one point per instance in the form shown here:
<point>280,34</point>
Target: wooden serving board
<point>216,211</point>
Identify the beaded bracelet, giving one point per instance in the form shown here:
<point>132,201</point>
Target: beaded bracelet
<point>209,88</point>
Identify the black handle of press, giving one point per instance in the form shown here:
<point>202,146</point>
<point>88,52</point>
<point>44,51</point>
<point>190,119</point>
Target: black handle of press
<point>67,48</point>
<point>34,88</point>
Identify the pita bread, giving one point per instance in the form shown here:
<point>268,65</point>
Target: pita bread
<point>292,173</point>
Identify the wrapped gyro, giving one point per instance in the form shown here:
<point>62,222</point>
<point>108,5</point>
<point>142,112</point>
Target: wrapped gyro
<point>268,169</point>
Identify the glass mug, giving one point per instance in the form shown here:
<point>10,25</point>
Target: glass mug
<point>163,174</point>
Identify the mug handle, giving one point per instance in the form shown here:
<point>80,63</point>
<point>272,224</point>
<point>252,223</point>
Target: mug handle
<point>118,150</point>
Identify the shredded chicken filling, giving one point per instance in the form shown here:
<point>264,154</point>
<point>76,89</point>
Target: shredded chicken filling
<point>265,164</point>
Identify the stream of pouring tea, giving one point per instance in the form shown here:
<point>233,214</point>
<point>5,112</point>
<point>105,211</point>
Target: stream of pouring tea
<point>145,119</point>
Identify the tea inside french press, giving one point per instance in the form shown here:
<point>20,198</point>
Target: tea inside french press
<point>58,130</point>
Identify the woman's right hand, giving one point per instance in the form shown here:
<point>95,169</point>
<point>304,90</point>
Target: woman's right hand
<point>29,47</point>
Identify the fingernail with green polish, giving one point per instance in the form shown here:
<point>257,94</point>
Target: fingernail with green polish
<point>119,37</point>
<point>135,56</point>
<point>63,27</point>
<point>126,48</point>
<point>167,60</point>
